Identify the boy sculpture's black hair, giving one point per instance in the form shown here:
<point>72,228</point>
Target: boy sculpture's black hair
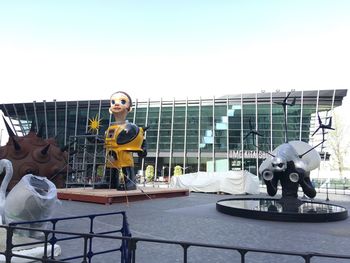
<point>126,94</point>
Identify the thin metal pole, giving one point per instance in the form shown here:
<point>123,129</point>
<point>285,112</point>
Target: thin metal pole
<point>242,253</point>
<point>75,135</point>
<point>185,138</point>
<point>55,104</point>
<point>36,116</point>
<point>65,123</point>
<point>213,131</point>
<point>76,119</point>
<point>146,124</point>
<point>271,126</point>
<point>134,121</point>
<point>242,143</point>
<point>9,245</point>
<point>257,137</point>
<point>26,115</point>
<point>316,111</point>
<point>135,111</point>
<point>227,136</point>
<point>301,114</point>
<point>185,248</point>
<point>95,150</point>
<point>87,116</point>
<point>105,154</point>
<point>45,118</point>
<point>171,138</point>
<point>85,143</point>
<point>199,135</point>
<point>286,122</point>
<point>157,144</point>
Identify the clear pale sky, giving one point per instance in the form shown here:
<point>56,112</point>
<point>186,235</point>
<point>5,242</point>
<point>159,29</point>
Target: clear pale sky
<point>88,49</point>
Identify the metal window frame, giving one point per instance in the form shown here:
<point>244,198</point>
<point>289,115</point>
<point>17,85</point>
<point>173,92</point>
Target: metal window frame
<point>242,143</point>
<point>301,114</point>
<point>199,134</point>
<point>18,120</point>
<point>213,131</point>
<point>45,119</point>
<point>185,138</point>
<point>157,143</point>
<point>171,137</point>
<point>36,116</point>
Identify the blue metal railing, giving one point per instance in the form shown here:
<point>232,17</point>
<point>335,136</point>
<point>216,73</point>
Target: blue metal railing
<point>54,237</point>
<point>131,250</point>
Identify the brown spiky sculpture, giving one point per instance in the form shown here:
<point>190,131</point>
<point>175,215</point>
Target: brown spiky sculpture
<point>31,154</point>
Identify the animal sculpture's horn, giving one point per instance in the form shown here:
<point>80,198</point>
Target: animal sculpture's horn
<point>267,175</point>
<point>45,150</point>
<point>16,144</point>
<point>9,130</point>
<point>294,177</point>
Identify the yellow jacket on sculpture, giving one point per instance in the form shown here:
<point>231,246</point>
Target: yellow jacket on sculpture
<point>121,140</point>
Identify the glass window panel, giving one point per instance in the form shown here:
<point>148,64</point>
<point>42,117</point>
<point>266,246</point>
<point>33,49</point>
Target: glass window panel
<point>192,128</point>
<point>308,110</point>
<point>207,136</point>
<point>179,128</point>
<point>221,126</point>
<point>50,117</point>
<point>23,123</point>
<point>61,115</point>
<point>293,121</point>
<point>249,117</point>
<point>264,126</point>
<point>278,132</point>
<point>234,119</point>
<point>71,115</point>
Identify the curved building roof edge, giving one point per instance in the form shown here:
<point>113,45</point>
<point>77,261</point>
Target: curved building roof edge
<point>260,95</point>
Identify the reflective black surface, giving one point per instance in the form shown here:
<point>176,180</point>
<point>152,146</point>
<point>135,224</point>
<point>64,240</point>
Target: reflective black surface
<point>285,209</point>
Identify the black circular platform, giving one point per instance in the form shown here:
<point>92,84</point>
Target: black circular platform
<point>289,209</point>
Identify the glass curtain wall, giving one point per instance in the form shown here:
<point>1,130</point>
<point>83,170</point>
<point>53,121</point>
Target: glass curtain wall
<point>235,122</point>
<point>197,135</point>
<point>192,137</point>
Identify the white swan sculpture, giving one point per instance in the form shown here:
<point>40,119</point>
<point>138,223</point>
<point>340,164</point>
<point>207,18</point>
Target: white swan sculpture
<point>6,169</point>
<point>32,198</point>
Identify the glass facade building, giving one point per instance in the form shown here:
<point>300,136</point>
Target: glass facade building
<point>197,134</point>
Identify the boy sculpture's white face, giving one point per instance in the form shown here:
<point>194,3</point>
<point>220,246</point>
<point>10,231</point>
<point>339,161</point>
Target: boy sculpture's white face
<point>120,103</point>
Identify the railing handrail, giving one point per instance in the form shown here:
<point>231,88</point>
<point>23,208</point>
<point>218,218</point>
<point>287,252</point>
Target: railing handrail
<point>132,241</point>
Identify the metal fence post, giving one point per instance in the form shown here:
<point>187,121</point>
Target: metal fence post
<point>242,252</point>
<point>131,251</point>
<point>8,251</point>
<point>307,258</point>
<point>185,247</point>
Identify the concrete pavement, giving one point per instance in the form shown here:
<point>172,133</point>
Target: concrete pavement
<point>194,218</point>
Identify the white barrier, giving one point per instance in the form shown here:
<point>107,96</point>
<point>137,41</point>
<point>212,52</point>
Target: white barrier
<point>231,182</point>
